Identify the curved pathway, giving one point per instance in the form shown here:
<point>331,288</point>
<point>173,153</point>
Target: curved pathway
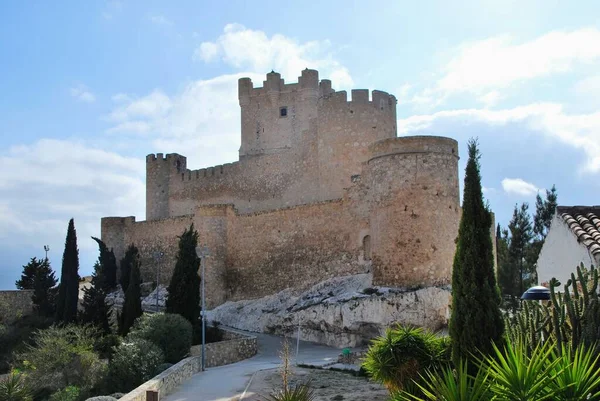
<point>228,383</point>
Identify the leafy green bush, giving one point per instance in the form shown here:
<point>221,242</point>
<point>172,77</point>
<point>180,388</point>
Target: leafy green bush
<point>106,345</point>
<point>15,388</point>
<point>133,363</point>
<point>401,354</point>
<point>62,357</point>
<point>16,335</point>
<point>70,393</point>
<point>172,333</point>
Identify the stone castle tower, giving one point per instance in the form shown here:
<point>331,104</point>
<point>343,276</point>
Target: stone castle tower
<point>323,187</point>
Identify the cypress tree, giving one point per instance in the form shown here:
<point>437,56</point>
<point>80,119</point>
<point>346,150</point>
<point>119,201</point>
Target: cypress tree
<point>109,265</point>
<point>68,292</point>
<point>476,321</point>
<point>126,263</point>
<point>184,288</point>
<point>95,310</point>
<point>132,307</point>
<point>44,290</point>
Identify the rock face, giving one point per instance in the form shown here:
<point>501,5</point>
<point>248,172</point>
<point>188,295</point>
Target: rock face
<point>117,298</point>
<point>341,312</point>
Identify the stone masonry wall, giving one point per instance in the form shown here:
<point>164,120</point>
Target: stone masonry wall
<point>295,247</point>
<point>14,304</point>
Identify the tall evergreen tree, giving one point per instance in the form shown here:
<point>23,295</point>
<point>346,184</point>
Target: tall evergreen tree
<point>519,250</point>
<point>184,288</point>
<point>506,277</point>
<point>544,212</point>
<point>109,265</point>
<point>132,307</point>
<point>126,264</point>
<point>44,290</point>
<point>95,310</point>
<point>28,275</point>
<point>68,291</point>
<point>476,321</point>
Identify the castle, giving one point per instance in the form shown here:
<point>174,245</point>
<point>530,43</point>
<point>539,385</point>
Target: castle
<point>323,188</point>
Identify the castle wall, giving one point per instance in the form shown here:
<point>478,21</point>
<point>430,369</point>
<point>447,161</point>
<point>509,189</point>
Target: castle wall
<point>295,247</point>
<point>415,210</point>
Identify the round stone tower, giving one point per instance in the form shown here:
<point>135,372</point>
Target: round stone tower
<point>415,210</point>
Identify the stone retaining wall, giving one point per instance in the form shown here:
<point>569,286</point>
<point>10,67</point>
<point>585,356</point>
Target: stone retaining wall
<point>234,348</point>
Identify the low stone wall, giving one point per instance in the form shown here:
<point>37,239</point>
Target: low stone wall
<point>234,348</point>
<point>14,304</point>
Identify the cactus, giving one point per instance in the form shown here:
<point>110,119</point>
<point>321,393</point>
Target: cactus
<point>571,318</point>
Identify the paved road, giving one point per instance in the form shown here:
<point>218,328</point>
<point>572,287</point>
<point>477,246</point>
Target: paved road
<point>227,383</point>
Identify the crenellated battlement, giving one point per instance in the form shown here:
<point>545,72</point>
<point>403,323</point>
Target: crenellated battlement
<point>209,172</point>
<point>379,100</point>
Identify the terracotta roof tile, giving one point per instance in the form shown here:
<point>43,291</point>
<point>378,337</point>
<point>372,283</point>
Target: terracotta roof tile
<point>584,222</point>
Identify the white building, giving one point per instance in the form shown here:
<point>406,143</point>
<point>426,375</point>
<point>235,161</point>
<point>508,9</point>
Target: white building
<point>573,238</point>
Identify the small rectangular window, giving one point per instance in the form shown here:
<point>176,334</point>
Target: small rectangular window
<point>283,112</point>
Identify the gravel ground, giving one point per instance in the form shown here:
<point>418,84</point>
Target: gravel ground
<point>328,385</point>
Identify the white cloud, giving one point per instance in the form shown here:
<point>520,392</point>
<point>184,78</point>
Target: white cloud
<point>82,93</point>
<point>254,51</point>
<point>518,186</point>
<point>487,67</point>
<point>580,131</point>
<point>201,120</point>
<point>46,183</point>
<point>160,20</point>
<point>589,86</point>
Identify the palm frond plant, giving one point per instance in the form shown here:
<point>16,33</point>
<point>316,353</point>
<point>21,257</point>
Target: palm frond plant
<point>515,375</point>
<point>397,358</point>
<point>448,384</point>
<point>14,388</point>
<point>576,376</point>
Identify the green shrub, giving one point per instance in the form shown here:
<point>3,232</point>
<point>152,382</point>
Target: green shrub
<point>15,336</point>
<point>63,357</point>
<point>133,363</point>
<point>15,388</point>
<point>106,345</point>
<point>70,393</point>
<point>398,357</point>
<point>172,333</point>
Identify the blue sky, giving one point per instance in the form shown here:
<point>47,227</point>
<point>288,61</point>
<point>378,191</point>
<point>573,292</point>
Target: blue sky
<point>89,88</point>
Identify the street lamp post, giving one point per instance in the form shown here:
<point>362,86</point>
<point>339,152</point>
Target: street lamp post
<point>202,252</point>
<point>157,256</point>
<point>46,249</point>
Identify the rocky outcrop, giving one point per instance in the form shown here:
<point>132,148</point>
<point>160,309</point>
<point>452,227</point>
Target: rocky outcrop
<point>117,298</point>
<point>341,312</point>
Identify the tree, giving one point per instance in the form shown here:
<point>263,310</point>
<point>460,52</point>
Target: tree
<point>544,212</point>
<point>68,291</point>
<point>184,288</point>
<point>519,250</point>
<point>132,306</point>
<point>506,275</point>
<point>126,263</point>
<point>28,275</point>
<point>476,322</point>
<point>95,309</point>
<point>108,261</point>
<point>44,289</point>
